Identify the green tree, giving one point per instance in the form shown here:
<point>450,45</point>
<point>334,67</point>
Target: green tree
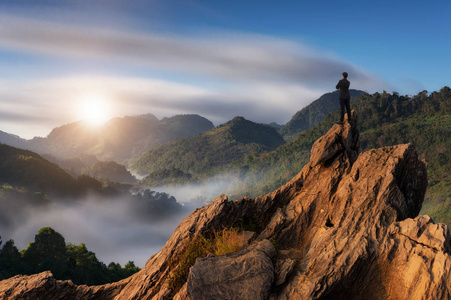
<point>130,268</point>
<point>83,266</point>
<point>47,252</point>
<point>50,252</point>
<point>10,260</point>
<point>115,271</point>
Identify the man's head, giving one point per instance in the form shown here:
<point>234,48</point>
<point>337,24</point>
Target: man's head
<point>345,75</point>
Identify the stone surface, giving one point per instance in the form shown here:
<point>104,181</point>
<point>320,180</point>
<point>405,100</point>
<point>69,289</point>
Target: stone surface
<point>341,139</point>
<point>249,236</point>
<point>414,260</point>
<point>349,222</point>
<point>182,294</point>
<point>245,274</point>
<point>44,286</point>
<point>283,269</point>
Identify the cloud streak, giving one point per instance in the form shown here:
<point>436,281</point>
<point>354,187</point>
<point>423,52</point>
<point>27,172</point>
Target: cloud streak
<point>133,96</point>
<point>235,56</point>
<point>262,78</point>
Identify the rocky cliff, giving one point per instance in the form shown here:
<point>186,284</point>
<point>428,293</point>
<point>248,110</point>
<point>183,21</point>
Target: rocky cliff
<point>346,227</point>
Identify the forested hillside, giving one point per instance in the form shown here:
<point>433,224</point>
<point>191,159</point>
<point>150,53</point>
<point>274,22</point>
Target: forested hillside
<point>29,172</point>
<point>109,170</point>
<point>204,153</point>
<point>384,119</point>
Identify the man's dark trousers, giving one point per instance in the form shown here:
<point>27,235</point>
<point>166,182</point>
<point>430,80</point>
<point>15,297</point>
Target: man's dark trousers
<point>343,103</point>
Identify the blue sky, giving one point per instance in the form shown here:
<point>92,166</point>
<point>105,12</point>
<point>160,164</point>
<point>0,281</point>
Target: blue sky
<point>263,60</point>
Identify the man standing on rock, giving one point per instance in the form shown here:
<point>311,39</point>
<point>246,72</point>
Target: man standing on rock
<point>345,97</point>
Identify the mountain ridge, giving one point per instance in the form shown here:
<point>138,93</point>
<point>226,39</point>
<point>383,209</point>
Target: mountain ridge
<point>118,139</point>
<point>231,141</point>
<point>25,169</point>
<point>314,113</point>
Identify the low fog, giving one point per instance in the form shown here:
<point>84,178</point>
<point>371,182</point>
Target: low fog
<point>116,229</point>
<point>201,193</point>
<point>119,228</point>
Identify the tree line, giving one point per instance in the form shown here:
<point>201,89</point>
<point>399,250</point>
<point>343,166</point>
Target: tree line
<point>49,251</point>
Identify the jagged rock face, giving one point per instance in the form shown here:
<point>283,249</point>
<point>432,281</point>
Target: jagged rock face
<point>343,228</point>
<point>340,140</point>
<point>44,286</point>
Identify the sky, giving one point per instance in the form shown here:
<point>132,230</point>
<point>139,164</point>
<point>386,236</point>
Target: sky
<point>263,60</point>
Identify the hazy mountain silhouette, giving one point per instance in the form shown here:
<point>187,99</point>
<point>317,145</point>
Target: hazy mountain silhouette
<point>314,113</point>
<point>119,139</point>
<point>12,140</point>
<point>109,170</point>
<point>73,165</point>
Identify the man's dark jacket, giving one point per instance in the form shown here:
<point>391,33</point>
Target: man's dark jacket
<point>343,85</point>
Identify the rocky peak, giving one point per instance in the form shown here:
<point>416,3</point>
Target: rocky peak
<point>340,140</point>
<point>346,227</point>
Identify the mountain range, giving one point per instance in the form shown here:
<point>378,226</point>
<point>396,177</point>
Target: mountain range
<point>347,223</point>
<point>256,159</point>
<point>119,139</point>
<point>386,119</point>
<point>211,150</point>
<point>345,227</point>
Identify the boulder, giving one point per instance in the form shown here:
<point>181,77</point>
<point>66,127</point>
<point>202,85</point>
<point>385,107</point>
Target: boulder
<point>245,274</point>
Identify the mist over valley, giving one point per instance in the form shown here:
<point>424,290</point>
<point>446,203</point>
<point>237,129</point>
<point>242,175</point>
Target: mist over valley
<point>117,228</point>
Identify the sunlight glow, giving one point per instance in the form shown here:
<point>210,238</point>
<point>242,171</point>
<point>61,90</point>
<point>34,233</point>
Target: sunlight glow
<point>94,110</point>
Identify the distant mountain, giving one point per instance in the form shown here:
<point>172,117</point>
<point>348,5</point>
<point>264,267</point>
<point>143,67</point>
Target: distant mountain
<point>314,113</point>
<point>212,149</point>
<point>111,171</point>
<point>75,164</point>
<point>12,140</point>
<point>275,125</point>
<point>86,164</point>
<point>147,116</point>
<point>119,139</point>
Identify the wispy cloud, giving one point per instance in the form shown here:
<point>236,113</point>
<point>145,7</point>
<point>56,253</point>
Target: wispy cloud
<point>132,96</point>
<point>260,77</point>
<point>235,56</point>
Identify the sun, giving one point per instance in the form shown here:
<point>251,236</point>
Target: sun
<point>94,110</point>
